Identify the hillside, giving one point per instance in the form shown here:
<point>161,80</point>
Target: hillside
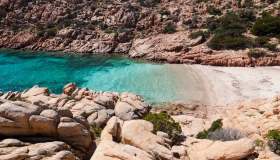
<point>215,32</point>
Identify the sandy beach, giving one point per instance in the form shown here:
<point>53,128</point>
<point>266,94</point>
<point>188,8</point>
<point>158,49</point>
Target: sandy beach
<point>225,85</point>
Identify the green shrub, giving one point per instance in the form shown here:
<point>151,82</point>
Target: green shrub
<point>220,42</point>
<point>214,11</point>
<point>231,24</point>
<point>216,132</point>
<point>218,124</point>
<point>225,134</point>
<point>229,33</point>
<point>47,32</point>
<point>263,42</point>
<point>169,28</point>
<point>148,3</point>
<point>274,141</point>
<point>247,15</point>
<point>96,130</point>
<point>273,135</point>
<point>164,123</point>
<point>212,23</point>
<point>239,3</point>
<point>259,143</point>
<point>3,12</point>
<point>248,3</point>
<point>205,34</point>
<point>202,135</point>
<point>256,53</point>
<point>271,1</point>
<point>200,1</point>
<point>110,30</point>
<point>269,46</point>
<point>266,26</point>
<point>164,12</point>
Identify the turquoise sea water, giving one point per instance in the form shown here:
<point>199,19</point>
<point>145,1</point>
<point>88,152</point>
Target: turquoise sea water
<point>21,70</point>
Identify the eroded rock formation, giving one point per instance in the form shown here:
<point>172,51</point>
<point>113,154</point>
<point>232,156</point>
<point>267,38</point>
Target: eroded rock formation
<point>137,28</point>
<point>36,124</point>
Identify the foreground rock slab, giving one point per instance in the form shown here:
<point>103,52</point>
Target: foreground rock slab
<point>96,107</point>
<point>131,140</point>
<point>216,150</point>
<point>13,149</point>
<point>43,130</point>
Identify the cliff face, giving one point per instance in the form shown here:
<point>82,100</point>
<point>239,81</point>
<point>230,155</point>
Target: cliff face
<point>82,26</point>
<point>154,29</point>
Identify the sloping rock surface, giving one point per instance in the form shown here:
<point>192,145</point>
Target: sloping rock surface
<point>41,132</point>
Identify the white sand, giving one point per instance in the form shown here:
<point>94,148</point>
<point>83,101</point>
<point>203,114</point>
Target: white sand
<point>225,85</point>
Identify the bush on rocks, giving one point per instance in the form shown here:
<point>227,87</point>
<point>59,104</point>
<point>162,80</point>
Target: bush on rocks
<point>218,124</point>
<point>247,3</point>
<point>214,11</point>
<point>259,143</point>
<point>220,42</point>
<point>48,32</point>
<point>247,15</point>
<point>274,141</point>
<point>225,134</point>
<point>263,42</point>
<point>96,130</point>
<point>231,24</point>
<point>228,33</point>
<point>271,1</point>
<point>256,53</point>
<point>164,123</point>
<point>267,25</point>
<point>216,132</point>
<point>169,28</point>
<point>148,3</point>
<point>204,34</point>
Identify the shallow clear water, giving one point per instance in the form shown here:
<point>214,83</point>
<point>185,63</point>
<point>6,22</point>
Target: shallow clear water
<point>21,70</point>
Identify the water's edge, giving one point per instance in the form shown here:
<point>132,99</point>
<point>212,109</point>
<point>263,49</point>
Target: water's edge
<point>23,69</point>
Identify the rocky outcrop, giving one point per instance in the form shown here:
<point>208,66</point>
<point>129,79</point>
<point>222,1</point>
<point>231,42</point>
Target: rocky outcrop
<point>146,141</point>
<point>120,140</point>
<point>253,119</point>
<point>130,107</point>
<point>13,149</point>
<point>36,124</point>
<point>206,149</point>
<point>29,121</point>
<point>109,150</point>
<point>94,107</point>
<point>179,48</point>
<point>139,29</point>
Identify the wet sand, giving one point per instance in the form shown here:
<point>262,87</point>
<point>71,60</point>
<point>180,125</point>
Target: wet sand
<point>225,85</point>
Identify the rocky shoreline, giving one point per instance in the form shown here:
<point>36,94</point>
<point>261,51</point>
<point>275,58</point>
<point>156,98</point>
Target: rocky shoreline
<point>151,30</point>
<point>155,49</point>
<point>36,124</point>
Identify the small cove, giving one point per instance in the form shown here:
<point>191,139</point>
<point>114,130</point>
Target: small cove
<point>157,83</point>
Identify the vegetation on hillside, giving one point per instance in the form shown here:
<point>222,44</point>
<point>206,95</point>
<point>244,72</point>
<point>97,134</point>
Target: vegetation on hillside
<point>217,132</point>
<point>228,34</point>
<point>267,25</point>
<point>164,123</point>
<point>274,141</point>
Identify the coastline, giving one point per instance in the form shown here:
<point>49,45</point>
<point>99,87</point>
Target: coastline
<point>227,85</point>
<point>212,85</point>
